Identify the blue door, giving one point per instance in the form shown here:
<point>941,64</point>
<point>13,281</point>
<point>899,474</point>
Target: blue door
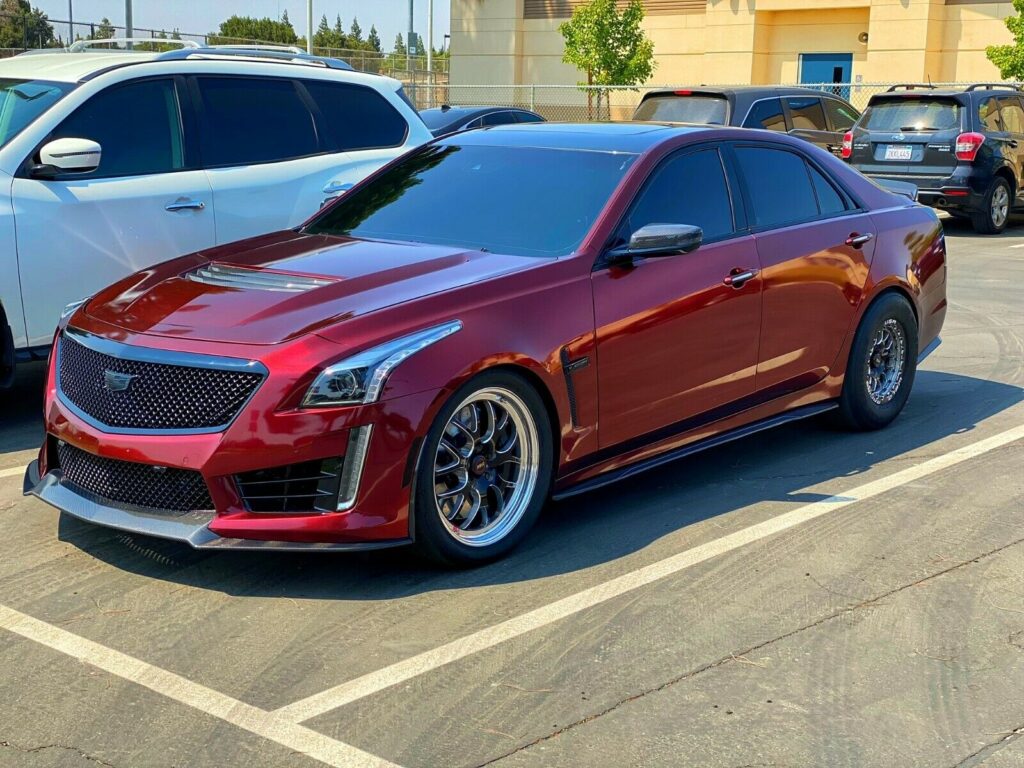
<point>817,68</point>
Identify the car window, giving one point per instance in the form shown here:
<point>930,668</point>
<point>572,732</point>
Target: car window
<point>842,116</point>
<point>830,202</point>
<point>1012,114</point>
<point>778,185</point>
<point>137,125</point>
<point>528,117</point>
<point>357,117</point>
<point>912,114</point>
<point>498,118</point>
<point>247,120</point>
<point>988,115</point>
<point>766,114</point>
<point>22,101</point>
<point>806,113</point>
<point>672,197</point>
<point>696,108</point>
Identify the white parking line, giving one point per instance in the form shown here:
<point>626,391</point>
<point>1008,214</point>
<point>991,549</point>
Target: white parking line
<point>12,472</point>
<point>269,725</point>
<point>374,682</point>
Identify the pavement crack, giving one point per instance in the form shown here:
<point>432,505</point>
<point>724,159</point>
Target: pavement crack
<point>43,747</point>
<point>740,656</point>
<point>979,756</point>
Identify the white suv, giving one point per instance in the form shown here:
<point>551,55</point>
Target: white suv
<point>114,160</point>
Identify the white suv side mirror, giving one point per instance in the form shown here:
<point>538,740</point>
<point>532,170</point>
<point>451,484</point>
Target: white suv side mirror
<point>69,156</point>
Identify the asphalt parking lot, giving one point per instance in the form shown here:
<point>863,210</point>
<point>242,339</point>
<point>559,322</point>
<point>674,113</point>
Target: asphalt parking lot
<point>803,598</point>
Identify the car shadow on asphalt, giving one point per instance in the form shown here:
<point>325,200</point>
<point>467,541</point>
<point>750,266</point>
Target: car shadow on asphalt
<point>21,409</point>
<point>589,530</point>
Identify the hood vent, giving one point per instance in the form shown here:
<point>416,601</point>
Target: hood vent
<point>255,279</point>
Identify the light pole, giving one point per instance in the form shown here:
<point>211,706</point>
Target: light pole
<point>430,40</point>
<point>408,41</point>
<point>71,22</point>
<point>309,26</point>
<point>128,26</point>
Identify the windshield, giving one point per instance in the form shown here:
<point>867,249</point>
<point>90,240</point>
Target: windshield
<point>706,110</point>
<point>912,115</point>
<point>22,101</point>
<point>521,201</point>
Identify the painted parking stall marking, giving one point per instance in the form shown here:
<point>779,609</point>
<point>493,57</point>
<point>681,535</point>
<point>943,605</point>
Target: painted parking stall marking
<point>12,472</point>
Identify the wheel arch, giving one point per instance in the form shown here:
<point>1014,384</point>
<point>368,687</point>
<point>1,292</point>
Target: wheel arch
<point>1005,172</point>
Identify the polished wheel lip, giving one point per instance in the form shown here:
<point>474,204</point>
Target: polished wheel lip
<point>1000,208</point>
<point>886,361</point>
<point>489,465</point>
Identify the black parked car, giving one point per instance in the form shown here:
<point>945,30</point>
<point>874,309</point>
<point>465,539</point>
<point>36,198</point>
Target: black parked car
<point>962,148</point>
<point>819,117</point>
<point>446,119</point>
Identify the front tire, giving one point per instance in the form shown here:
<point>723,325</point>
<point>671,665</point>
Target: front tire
<point>882,365</point>
<point>484,471</point>
<point>995,208</point>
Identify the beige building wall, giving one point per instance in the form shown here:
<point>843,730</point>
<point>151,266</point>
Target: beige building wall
<point>742,41</point>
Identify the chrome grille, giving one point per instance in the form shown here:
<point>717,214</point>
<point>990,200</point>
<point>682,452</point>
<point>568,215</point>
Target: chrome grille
<point>305,487</point>
<point>228,276</point>
<point>161,489</point>
<point>133,394</point>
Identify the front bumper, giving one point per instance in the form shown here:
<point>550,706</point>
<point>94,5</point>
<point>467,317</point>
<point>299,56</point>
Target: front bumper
<point>190,528</point>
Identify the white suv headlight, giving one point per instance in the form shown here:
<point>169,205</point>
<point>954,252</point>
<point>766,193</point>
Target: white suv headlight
<point>360,378</point>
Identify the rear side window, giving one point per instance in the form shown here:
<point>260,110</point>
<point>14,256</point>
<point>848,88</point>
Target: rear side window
<point>705,110</point>
<point>830,202</point>
<point>498,118</point>
<point>912,114</point>
<point>988,115</point>
<point>529,117</point>
<point>357,117</point>
<point>842,116</point>
<point>766,114</point>
<point>247,120</point>
<point>1012,114</point>
<point>672,197</point>
<point>806,113</point>
<point>138,126</point>
<point>778,184</point>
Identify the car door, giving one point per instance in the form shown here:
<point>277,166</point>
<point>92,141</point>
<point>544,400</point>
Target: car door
<point>146,202</point>
<point>273,147</point>
<point>1011,115</point>
<point>815,248</point>
<point>807,118</point>
<point>675,342</point>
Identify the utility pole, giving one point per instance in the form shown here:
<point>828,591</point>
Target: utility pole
<point>309,26</point>
<point>430,40</point>
<point>408,41</point>
<point>128,26</point>
<point>71,22</point>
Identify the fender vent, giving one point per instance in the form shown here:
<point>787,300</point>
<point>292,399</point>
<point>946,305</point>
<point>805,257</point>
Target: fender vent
<point>244,278</point>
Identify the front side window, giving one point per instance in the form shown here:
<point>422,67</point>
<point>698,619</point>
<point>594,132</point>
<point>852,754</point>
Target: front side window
<point>988,115</point>
<point>22,101</point>
<point>357,117</point>
<point>521,201</point>
<point>689,189</point>
<point>245,120</point>
<point>842,116</point>
<point>806,113</point>
<point>778,184</point>
<point>137,125</point>
<point>694,108</point>
<point>766,114</point>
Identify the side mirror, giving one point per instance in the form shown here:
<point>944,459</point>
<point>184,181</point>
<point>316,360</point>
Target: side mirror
<point>68,156</point>
<point>660,240</point>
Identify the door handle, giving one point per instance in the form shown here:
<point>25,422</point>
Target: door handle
<point>856,241</point>
<point>739,276</point>
<point>337,187</point>
<point>183,204</point>
<point>1012,143</point>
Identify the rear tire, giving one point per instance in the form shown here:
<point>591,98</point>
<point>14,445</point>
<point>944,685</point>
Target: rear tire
<point>882,365</point>
<point>995,208</point>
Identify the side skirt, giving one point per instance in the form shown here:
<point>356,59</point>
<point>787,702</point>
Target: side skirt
<point>804,412</point>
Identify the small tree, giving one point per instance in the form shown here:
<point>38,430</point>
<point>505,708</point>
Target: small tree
<point>374,39</point>
<point>1010,58</point>
<point>22,26</point>
<point>608,45</point>
<point>355,34</point>
<point>104,30</point>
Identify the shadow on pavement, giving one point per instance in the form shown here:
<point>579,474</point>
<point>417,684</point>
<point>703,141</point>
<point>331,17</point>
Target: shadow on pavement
<point>21,409</point>
<point>588,530</point>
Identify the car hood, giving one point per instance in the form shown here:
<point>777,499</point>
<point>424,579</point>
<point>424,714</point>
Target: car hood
<point>276,287</point>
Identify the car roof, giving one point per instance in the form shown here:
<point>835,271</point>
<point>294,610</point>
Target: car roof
<point>466,111</point>
<point>595,137</point>
<point>59,66</point>
<point>743,90</point>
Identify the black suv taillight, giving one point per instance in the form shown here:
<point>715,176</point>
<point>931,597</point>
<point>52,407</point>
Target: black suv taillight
<point>847,145</point>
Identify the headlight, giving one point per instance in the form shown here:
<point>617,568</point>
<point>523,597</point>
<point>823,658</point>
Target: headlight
<point>360,378</point>
<point>70,308</point>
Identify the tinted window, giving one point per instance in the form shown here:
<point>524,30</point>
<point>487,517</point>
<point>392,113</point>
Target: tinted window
<point>138,125</point>
<point>830,202</point>
<point>778,184</point>
<point>1012,114</point>
<point>515,200</point>
<point>22,101</point>
<point>766,114</point>
<point>253,120</point>
<point>988,115</point>
<point>528,117</point>
<point>706,110</point>
<point>498,118</point>
<point>675,196</point>
<point>842,116</point>
<point>807,113</point>
<point>912,114</point>
<point>357,117</point>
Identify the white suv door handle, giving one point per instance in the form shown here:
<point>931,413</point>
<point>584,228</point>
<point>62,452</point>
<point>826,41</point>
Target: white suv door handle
<point>183,204</point>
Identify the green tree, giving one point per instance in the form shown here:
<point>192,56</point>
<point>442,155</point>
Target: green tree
<point>609,45</point>
<point>399,49</point>
<point>103,31</point>
<point>1010,58</point>
<point>374,40</point>
<point>355,34</point>
<point>22,26</point>
<point>236,28</point>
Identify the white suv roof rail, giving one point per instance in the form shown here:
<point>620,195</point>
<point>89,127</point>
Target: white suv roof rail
<point>258,47</point>
<point>82,46</point>
<point>256,53</point>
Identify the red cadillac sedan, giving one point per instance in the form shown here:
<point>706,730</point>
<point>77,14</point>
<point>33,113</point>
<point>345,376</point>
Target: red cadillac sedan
<point>497,318</point>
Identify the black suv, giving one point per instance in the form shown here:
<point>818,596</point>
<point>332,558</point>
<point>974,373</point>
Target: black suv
<point>817,116</point>
<point>963,149</point>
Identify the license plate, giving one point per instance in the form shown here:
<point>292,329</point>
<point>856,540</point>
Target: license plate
<point>897,152</point>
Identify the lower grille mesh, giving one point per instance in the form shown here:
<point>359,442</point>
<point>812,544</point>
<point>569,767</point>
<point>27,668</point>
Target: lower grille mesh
<point>161,489</point>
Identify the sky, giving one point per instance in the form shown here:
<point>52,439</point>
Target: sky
<point>201,16</point>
